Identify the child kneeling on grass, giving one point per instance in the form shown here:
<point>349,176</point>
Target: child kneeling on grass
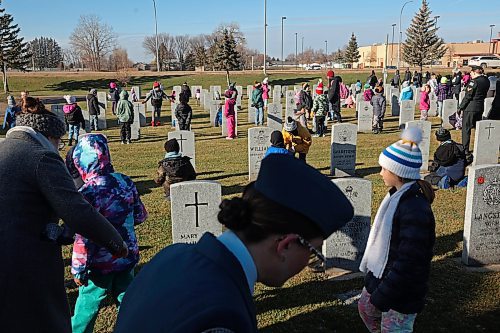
<point>399,250</point>
<point>95,270</point>
<point>174,168</point>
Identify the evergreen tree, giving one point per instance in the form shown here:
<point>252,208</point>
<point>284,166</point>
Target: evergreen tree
<point>14,52</point>
<point>422,45</point>
<point>351,54</point>
<point>338,57</point>
<point>226,56</point>
<point>46,53</point>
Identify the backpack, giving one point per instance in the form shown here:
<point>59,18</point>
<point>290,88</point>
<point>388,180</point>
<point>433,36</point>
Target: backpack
<point>156,98</point>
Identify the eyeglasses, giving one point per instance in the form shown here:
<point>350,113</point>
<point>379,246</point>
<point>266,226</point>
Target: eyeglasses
<point>311,248</point>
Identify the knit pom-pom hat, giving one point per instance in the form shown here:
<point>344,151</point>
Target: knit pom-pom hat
<point>46,123</point>
<point>404,158</point>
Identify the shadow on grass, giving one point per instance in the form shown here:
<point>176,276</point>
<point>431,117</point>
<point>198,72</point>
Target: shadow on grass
<point>233,189</point>
<point>363,172</point>
<point>145,186</point>
<point>294,81</point>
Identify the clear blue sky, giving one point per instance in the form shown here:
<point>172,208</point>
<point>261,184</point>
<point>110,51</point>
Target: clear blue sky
<point>316,21</point>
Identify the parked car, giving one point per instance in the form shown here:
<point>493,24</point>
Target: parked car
<point>313,67</point>
<point>485,61</point>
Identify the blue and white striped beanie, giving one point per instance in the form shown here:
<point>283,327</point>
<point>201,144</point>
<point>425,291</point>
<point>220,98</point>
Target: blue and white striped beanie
<point>404,158</point>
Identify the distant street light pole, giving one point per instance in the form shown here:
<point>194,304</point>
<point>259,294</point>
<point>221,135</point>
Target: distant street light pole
<point>157,45</point>
<point>436,21</point>
<point>491,36</point>
<point>265,35</point>
<point>401,32</point>
<point>302,44</point>
<point>282,60</point>
<point>392,44</point>
<point>296,61</point>
<point>326,50</point>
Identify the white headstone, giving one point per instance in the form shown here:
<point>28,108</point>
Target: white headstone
<point>395,108</point>
<point>481,244</point>
<point>239,97</point>
<point>177,90</point>
<point>138,92</point>
<point>461,96</point>
<point>135,127</point>
<point>387,90</point>
<point>275,116</point>
<point>343,149</point>
<point>213,89</point>
<point>290,103</point>
<point>277,94</point>
<point>214,108</point>
<point>173,119</point>
<point>433,107</point>
<point>142,113</point>
<point>424,145</point>
<point>101,118</point>
<point>486,142</point>
<point>193,90</point>
<point>194,209</point>
<point>449,107</point>
<point>249,91</point>
<point>186,144</point>
<point>86,116</point>
<point>365,116</point>
<point>259,139</point>
<point>206,99</point>
<point>407,112</point>
<point>251,112</point>
<point>488,102</point>
<point>345,247</point>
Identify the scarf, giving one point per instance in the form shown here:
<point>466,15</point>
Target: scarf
<point>173,154</point>
<point>379,240</point>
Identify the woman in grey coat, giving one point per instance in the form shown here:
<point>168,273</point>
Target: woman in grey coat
<point>35,192</point>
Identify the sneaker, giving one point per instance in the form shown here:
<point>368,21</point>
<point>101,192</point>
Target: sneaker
<point>129,142</point>
<point>152,124</point>
<point>123,142</point>
<point>158,123</point>
<point>315,136</point>
<point>229,138</point>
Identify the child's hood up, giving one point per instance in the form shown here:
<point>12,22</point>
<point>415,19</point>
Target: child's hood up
<point>91,157</point>
<point>124,95</point>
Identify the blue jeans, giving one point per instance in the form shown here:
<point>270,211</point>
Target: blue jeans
<point>74,131</point>
<point>259,115</point>
<point>94,123</point>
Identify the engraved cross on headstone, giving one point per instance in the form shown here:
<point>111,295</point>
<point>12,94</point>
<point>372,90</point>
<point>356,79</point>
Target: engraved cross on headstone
<point>181,139</point>
<point>196,204</point>
<point>489,128</point>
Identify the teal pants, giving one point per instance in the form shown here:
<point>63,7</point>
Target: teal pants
<point>90,298</point>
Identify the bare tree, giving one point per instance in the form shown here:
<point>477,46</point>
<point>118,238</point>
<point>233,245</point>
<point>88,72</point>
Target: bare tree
<point>119,60</point>
<point>93,39</point>
<point>198,45</point>
<point>181,49</point>
<point>72,58</point>
<point>166,52</point>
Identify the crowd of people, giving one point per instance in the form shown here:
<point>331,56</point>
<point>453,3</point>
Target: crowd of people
<point>268,237</point>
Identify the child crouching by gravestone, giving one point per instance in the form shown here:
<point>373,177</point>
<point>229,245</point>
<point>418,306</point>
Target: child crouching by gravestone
<point>379,105</point>
<point>125,115</point>
<point>73,117</point>
<point>277,145</point>
<point>174,168</point>
<point>297,138</point>
<point>184,114</point>
<point>448,167</point>
<point>398,254</point>
<point>95,270</point>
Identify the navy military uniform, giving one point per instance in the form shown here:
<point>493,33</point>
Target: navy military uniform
<point>192,288</point>
<point>472,106</point>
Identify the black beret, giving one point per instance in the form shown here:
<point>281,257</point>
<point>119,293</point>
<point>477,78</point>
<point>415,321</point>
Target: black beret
<point>284,179</point>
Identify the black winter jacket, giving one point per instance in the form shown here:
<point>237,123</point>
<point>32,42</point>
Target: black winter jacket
<point>174,170</point>
<point>73,115</point>
<point>93,105</point>
<point>404,283</point>
<point>475,93</point>
<point>334,92</point>
<point>183,111</point>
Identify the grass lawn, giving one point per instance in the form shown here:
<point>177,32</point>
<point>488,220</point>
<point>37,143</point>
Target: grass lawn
<point>459,300</point>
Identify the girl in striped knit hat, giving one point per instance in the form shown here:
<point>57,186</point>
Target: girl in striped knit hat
<point>399,250</point>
